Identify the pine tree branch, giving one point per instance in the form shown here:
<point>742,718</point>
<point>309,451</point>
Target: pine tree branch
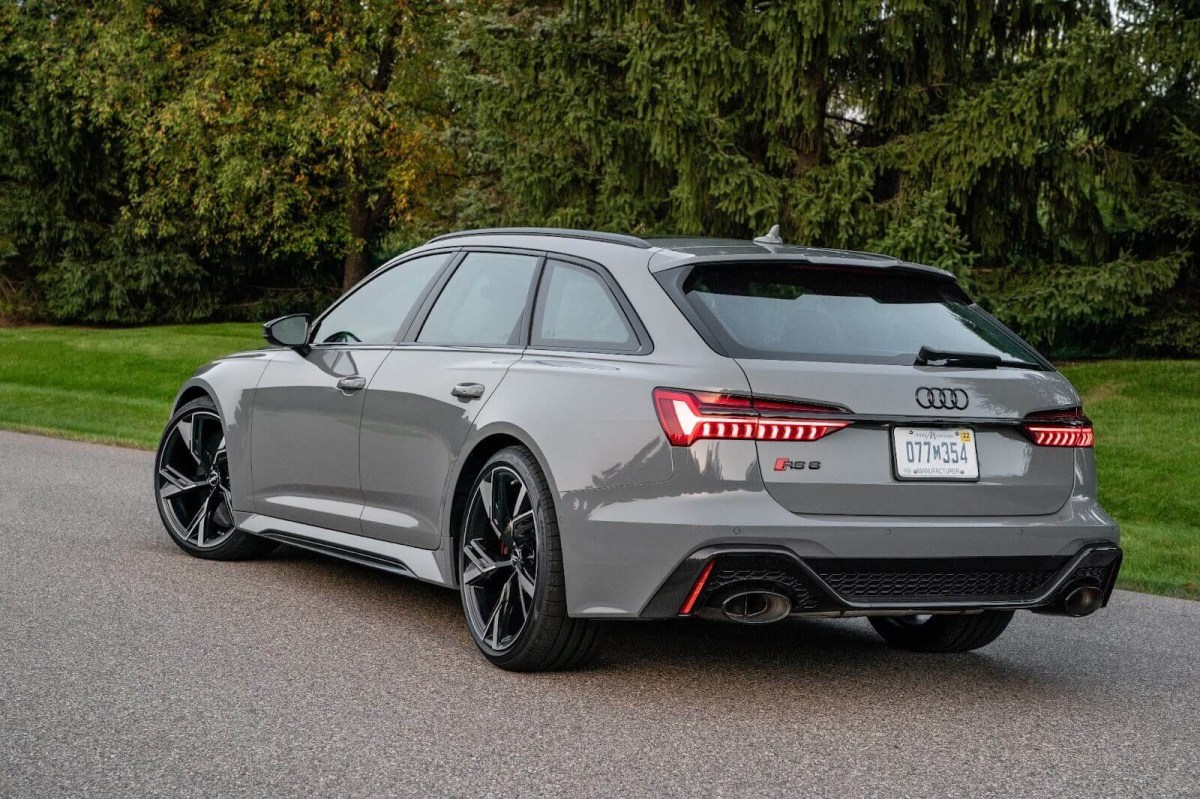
<point>840,118</point>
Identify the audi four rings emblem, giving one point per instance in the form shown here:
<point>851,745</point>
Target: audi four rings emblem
<point>952,399</point>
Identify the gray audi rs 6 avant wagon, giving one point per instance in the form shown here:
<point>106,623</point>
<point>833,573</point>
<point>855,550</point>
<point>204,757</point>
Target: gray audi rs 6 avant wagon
<point>571,427</point>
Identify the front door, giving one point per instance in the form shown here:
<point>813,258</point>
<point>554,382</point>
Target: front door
<point>304,434</point>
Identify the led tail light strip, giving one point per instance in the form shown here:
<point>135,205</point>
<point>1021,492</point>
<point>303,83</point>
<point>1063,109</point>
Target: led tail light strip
<point>688,416</point>
<point>1065,428</point>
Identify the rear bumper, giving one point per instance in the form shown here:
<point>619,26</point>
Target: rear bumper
<point>620,551</point>
<point>870,586</point>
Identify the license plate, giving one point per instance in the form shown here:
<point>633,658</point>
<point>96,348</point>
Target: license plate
<point>931,453</point>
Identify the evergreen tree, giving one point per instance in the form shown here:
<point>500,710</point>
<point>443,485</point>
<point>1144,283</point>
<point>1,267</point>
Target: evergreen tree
<point>179,159</point>
<point>1042,151</point>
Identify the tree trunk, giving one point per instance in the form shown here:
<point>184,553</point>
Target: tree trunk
<point>363,216</point>
<point>354,268</point>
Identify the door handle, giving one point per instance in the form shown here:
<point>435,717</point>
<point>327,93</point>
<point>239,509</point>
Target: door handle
<point>468,390</point>
<point>349,384</point>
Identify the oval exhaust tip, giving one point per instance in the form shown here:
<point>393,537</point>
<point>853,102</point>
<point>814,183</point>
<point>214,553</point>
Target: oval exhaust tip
<point>1083,600</point>
<point>756,607</point>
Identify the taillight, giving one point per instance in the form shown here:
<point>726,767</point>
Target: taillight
<point>688,416</point>
<point>1061,428</point>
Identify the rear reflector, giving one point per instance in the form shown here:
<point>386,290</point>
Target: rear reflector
<point>696,589</point>
<point>687,416</point>
<point>1062,428</point>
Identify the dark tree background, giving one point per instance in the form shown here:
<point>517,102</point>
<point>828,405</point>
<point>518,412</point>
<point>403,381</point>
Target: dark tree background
<point>191,160</point>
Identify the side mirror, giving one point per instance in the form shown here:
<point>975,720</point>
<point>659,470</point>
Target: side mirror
<point>289,331</point>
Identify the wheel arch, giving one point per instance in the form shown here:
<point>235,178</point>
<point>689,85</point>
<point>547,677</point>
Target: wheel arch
<point>193,391</point>
<point>476,452</point>
<point>229,384</point>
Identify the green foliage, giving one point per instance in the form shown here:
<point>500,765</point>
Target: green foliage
<point>296,131</point>
<point>128,289</point>
<point>155,151</point>
<point>1069,297</point>
<point>928,232</point>
<point>1045,153</point>
<point>60,170</point>
<point>262,154</point>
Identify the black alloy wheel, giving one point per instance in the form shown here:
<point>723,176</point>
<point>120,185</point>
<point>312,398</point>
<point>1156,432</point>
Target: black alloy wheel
<point>510,570</point>
<point>499,554</point>
<point>191,482</point>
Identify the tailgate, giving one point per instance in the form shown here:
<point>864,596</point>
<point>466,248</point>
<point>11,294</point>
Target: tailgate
<point>854,468</point>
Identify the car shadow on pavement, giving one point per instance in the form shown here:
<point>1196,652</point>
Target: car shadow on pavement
<point>677,655</point>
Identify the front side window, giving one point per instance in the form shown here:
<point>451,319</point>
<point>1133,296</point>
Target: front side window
<point>575,309</point>
<point>483,303</point>
<point>374,312</point>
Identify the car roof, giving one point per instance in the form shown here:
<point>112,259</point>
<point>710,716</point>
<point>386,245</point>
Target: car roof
<point>671,251</point>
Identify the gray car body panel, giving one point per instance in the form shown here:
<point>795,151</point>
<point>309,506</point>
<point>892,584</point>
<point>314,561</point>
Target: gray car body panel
<point>631,507</point>
<point>413,429</point>
<point>305,436</point>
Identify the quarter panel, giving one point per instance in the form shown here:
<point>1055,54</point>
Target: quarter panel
<point>592,424</point>
<point>593,415</point>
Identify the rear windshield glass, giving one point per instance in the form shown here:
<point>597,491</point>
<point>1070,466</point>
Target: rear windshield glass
<point>802,312</point>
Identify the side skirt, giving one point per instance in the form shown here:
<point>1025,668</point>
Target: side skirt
<point>396,558</point>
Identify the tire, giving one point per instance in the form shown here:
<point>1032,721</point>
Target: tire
<point>942,633</point>
<point>191,487</point>
<point>510,565</point>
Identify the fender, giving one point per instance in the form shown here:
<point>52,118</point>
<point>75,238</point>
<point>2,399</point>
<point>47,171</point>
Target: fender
<point>230,383</point>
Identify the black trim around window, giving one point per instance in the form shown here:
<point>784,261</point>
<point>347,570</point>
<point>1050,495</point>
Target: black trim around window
<point>414,320</point>
<point>673,279</point>
<point>455,255</point>
<point>642,344</point>
<point>413,329</point>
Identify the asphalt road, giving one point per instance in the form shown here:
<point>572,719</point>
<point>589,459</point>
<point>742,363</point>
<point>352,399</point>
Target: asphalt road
<point>128,668</point>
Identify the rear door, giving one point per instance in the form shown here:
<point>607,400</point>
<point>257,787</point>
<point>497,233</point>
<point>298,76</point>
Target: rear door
<point>305,428</point>
<point>423,400</point>
<point>849,338</point>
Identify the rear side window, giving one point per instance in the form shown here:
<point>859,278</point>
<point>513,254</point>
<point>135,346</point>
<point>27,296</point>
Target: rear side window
<point>576,310</point>
<point>484,302</point>
<point>374,312</point>
<point>801,312</point>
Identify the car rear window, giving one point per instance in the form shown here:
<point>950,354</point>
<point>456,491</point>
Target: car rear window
<point>804,312</point>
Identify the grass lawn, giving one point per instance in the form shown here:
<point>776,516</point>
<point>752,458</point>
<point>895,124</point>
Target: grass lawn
<point>116,386</point>
<point>1145,414</point>
<point>112,386</point>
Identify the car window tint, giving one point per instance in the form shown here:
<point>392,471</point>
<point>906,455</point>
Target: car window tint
<point>576,309</point>
<point>483,303</point>
<point>374,312</point>
<point>798,312</point>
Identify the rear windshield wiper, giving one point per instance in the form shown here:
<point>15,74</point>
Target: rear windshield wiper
<point>974,360</point>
